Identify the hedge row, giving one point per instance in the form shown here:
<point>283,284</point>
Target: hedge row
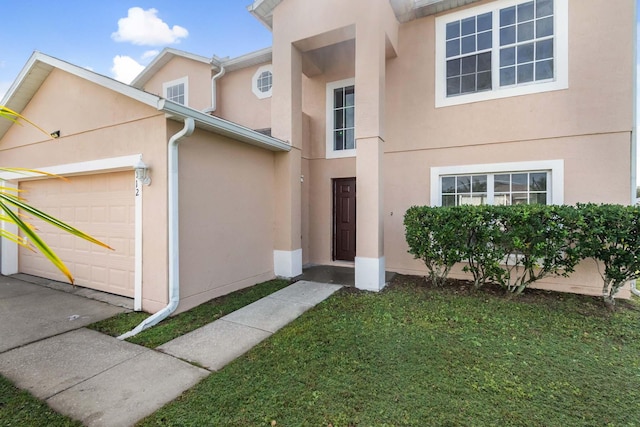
<point>515,246</point>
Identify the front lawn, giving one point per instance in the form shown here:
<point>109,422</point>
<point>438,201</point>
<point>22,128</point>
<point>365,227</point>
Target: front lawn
<point>418,356</point>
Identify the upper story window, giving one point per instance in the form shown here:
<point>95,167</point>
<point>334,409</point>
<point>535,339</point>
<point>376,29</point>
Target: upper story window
<point>177,90</point>
<point>536,182</point>
<point>500,49</point>
<point>262,82</point>
<point>341,138</point>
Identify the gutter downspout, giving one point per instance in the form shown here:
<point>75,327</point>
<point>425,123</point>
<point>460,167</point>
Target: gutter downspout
<point>214,89</point>
<point>174,255</point>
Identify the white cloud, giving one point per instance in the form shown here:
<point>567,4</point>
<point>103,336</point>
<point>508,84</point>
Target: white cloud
<point>149,54</point>
<point>143,27</point>
<point>125,68</point>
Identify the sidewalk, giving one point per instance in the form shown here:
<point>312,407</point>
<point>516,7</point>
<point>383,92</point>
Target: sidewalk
<point>102,381</point>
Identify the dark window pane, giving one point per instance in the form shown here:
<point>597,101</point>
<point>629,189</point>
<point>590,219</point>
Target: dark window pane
<point>468,44</point>
<point>502,183</point>
<point>519,199</point>
<point>349,96</point>
<point>485,22</point>
<point>508,16</point>
<point>508,76</point>
<point>507,56</point>
<point>453,48</point>
<point>469,64</point>
<point>338,98</point>
<point>525,11</point>
<point>448,184</point>
<point>448,200</point>
<point>484,40</point>
<point>453,30</point>
<point>525,31</point>
<point>544,8</point>
<point>525,73</point>
<point>338,119</point>
<point>538,181</point>
<point>544,70</point>
<point>453,86</point>
<point>484,81</point>
<point>453,67</point>
<point>349,140</point>
<point>544,27</point>
<point>507,35</point>
<point>468,26</point>
<point>544,49</point>
<point>349,119</point>
<point>538,198</point>
<point>468,83</point>
<point>525,53</point>
<point>479,183</point>
<point>463,184</point>
<point>338,140</point>
<point>484,61</point>
<point>519,182</point>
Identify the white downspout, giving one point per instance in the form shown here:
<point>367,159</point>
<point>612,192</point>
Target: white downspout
<point>174,255</point>
<point>214,90</point>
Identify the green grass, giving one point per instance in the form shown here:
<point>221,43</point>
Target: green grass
<point>20,408</point>
<point>413,356</point>
<point>182,323</point>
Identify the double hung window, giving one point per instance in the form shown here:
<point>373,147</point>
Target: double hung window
<point>341,139</point>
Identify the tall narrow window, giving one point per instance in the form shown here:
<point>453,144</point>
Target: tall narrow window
<point>341,138</point>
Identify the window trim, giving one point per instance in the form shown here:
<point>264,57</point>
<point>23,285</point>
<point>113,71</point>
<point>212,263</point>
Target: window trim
<point>182,80</point>
<point>555,167</point>
<point>254,82</point>
<point>561,56</point>
<point>330,152</point>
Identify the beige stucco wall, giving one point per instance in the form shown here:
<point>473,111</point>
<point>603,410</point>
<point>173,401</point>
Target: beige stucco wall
<point>587,126</point>
<point>96,123</point>
<point>238,103</point>
<point>199,77</point>
<point>227,202</point>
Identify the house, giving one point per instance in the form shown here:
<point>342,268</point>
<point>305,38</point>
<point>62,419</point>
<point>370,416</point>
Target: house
<point>404,101</point>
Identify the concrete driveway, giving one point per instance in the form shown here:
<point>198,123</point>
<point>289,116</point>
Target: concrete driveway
<point>30,312</point>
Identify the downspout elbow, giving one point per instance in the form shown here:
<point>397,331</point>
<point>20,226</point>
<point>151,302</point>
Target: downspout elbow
<point>174,256</point>
<point>214,90</point>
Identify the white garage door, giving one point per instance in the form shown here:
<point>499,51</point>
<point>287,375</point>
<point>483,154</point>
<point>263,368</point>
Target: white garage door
<point>101,205</point>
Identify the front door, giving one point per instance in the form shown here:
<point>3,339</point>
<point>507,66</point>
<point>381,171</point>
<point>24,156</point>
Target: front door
<point>344,219</point>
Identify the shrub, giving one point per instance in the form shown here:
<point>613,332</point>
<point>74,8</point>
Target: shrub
<point>610,234</point>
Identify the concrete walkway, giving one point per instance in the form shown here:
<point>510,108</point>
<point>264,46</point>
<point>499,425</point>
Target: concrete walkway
<point>102,381</point>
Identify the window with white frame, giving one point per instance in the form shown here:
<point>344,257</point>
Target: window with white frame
<point>262,82</point>
<point>341,139</point>
<point>177,91</point>
<point>539,182</point>
<point>503,48</point>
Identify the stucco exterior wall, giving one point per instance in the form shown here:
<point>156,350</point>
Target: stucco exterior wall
<point>227,203</point>
<point>96,123</point>
<point>199,81</point>
<point>238,103</point>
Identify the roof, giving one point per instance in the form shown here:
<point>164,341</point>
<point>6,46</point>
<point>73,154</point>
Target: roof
<point>40,65</point>
<point>405,10</point>
<point>161,60</point>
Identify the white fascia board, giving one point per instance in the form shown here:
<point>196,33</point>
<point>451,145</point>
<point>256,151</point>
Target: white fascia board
<point>253,58</point>
<point>161,60</point>
<point>223,127</point>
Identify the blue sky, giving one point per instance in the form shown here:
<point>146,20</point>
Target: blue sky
<point>116,37</point>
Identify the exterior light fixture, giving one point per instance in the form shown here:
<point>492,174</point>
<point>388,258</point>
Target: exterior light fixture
<point>142,172</point>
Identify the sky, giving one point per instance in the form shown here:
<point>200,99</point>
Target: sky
<point>118,38</point>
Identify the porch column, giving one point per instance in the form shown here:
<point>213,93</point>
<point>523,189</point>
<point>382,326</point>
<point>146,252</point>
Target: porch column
<point>369,124</point>
<point>286,124</point>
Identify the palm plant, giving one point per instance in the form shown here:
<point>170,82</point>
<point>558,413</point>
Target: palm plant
<point>10,200</point>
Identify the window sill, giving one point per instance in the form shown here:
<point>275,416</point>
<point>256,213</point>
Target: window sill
<point>340,154</point>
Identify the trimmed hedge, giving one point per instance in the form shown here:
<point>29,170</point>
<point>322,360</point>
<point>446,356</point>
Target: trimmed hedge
<point>515,246</point>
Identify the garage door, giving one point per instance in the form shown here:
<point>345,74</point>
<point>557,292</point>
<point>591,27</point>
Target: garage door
<point>101,205</point>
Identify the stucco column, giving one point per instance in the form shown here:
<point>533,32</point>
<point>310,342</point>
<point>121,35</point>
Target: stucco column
<point>369,123</point>
<point>286,124</point>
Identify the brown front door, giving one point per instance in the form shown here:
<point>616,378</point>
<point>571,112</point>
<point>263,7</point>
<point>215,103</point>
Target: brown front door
<point>344,219</point>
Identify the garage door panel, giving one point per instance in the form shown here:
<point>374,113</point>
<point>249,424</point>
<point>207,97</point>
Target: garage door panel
<point>101,205</point>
